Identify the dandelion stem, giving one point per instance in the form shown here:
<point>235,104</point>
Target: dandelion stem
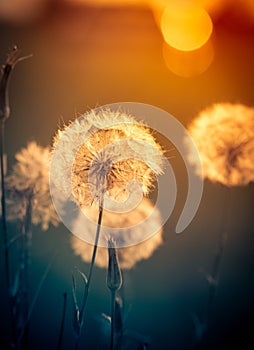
<point>113,311</point>
<point>3,203</point>
<point>37,292</point>
<point>114,282</point>
<point>5,236</point>
<point>95,246</point>
<point>14,239</point>
<point>86,292</point>
<point>219,253</point>
<point>92,261</point>
<point>27,237</point>
<point>60,339</point>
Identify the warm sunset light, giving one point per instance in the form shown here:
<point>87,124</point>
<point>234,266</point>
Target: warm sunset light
<point>21,11</point>
<point>108,2</point>
<point>186,28</point>
<point>188,63</point>
<point>214,6</point>
<point>126,174</point>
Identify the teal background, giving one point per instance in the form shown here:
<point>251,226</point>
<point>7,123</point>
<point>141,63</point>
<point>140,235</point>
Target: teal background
<point>86,57</point>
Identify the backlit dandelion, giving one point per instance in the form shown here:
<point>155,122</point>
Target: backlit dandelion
<point>29,182</point>
<point>101,152</point>
<point>224,135</point>
<point>94,160</point>
<point>127,223</point>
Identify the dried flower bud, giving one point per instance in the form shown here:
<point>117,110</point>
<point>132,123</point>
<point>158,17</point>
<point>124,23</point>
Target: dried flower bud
<point>4,99</point>
<point>114,277</point>
<point>12,59</point>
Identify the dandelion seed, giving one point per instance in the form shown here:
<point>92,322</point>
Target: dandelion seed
<point>128,256</point>
<point>29,181</point>
<point>100,153</point>
<point>224,135</point>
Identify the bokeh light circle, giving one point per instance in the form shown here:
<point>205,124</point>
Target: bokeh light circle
<point>188,64</point>
<point>186,28</point>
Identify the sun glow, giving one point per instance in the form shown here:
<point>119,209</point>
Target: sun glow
<point>109,2</point>
<point>186,28</point>
<point>188,63</point>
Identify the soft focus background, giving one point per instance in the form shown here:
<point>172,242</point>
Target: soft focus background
<point>90,53</point>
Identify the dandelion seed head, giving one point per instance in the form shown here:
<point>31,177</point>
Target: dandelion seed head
<point>130,231</point>
<point>29,181</point>
<point>103,151</point>
<point>224,136</point>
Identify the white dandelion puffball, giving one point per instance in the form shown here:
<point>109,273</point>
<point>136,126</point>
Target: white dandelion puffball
<point>29,181</point>
<point>224,136</point>
<point>99,153</point>
<point>128,222</point>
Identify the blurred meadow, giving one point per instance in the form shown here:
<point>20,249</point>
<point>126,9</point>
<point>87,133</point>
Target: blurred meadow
<point>86,54</point>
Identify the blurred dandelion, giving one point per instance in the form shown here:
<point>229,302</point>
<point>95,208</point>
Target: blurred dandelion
<point>28,202</point>
<point>224,135</point>
<point>128,256</point>
<point>29,182</point>
<point>12,59</point>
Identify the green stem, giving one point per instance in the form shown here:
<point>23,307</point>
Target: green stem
<point>5,237</point>
<point>87,287</point>
<point>3,203</point>
<point>14,239</point>
<point>36,294</point>
<point>113,311</point>
<point>220,251</point>
<point>27,244</point>
<point>60,339</point>
<point>92,262</point>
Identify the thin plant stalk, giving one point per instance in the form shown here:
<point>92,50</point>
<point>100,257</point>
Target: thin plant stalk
<point>27,237</point>
<point>114,283</point>
<point>87,286</point>
<point>118,323</point>
<point>35,297</point>
<point>13,240</point>
<point>212,277</point>
<point>5,236</point>
<point>95,246</point>
<point>3,203</point>
<point>113,313</point>
<point>21,305</point>
<point>219,254</point>
<point>60,339</point>
<point>11,61</point>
